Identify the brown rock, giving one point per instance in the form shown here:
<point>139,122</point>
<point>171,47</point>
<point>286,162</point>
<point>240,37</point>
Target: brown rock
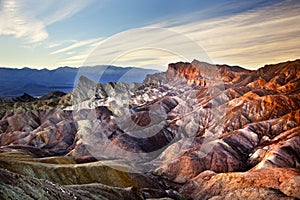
<point>284,180</point>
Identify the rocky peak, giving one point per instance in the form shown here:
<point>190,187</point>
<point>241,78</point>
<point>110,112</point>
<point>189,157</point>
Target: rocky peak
<point>201,74</point>
<point>195,73</point>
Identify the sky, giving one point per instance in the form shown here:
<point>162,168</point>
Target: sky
<point>148,34</point>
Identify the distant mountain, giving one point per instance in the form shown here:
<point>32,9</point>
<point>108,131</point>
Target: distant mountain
<point>16,82</point>
<point>24,98</point>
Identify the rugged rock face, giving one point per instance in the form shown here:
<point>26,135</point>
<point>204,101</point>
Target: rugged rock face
<point>207,131</point>
<point>274,183</point>
<point>50,130</point>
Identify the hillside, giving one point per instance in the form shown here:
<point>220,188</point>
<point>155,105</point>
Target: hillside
<point>196,131</point>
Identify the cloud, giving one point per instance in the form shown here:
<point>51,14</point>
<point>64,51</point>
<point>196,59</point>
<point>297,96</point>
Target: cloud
<point>26,19</point>
<point>14,22</point>
<point>53,45</point>
<point>253,38</point>
<point>77,44</point>
<point>76,53</point>
<point>66,10</point>
<point>144,47</point>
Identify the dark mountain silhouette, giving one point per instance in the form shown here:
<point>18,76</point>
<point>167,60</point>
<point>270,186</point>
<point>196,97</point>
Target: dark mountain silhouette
<point>15,82</point>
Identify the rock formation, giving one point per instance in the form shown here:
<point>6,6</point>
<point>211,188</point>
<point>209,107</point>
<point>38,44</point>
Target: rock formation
<point>205,131</point>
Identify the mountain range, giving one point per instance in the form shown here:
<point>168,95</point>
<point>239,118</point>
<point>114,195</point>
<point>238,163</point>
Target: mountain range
<point>196,131</point>
<point>15,82</point>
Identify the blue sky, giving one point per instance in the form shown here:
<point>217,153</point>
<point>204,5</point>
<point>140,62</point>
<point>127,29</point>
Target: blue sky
<point>149,34</point>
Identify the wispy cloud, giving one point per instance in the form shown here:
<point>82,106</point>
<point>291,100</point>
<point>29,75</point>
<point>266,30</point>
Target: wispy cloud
<point>66,10</point>
<point>77,44</point>
<point>251,38</point>
<point>13,21</point>
<point>53,45</point>
<point>26,19</point>
<point>58,44</point>
<point>143,47</point>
